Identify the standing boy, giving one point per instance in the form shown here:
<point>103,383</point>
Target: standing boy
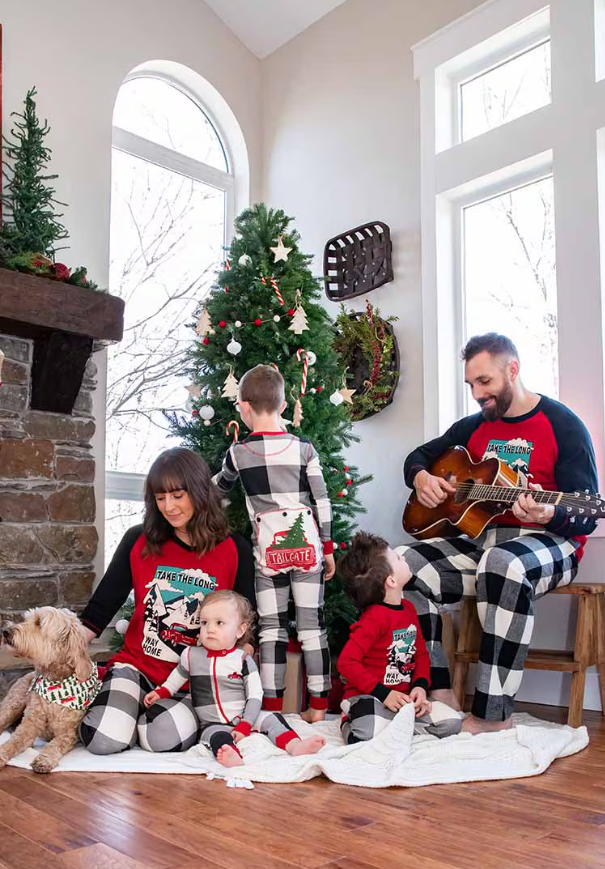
<point>291,517</point>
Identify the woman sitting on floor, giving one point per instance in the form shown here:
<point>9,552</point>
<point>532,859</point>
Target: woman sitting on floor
<point>182,552</point>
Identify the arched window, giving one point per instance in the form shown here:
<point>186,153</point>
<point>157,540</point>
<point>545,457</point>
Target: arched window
<point>171,206</point>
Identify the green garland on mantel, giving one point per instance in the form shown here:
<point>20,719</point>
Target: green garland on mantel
<point>369,353</point>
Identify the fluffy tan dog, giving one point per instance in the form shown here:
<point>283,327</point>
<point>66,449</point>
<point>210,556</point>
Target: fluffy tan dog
<point>54,697</point>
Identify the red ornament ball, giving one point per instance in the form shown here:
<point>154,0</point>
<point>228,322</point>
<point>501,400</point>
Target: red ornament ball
<point>319,389</point>
<point>345,467</point>
<point>349,482</point>
<point>206,341</point>
<point>258,322</point>
<point>343,545</point>
<point>291,312</point>
<point>222,324</point>
<point>195,413</point>
<point>341,494</point>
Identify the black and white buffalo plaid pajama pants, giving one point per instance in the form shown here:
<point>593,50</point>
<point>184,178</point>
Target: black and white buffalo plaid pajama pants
<point>365,717</point>
<point>506,569</point>
<point>272,596</point>
<point>117,719</point>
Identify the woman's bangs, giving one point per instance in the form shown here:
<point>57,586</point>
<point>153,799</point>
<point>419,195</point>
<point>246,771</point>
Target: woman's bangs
<point>161,480</point>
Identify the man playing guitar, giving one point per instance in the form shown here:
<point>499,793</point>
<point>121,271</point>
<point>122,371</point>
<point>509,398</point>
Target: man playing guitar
<point>523,554</point>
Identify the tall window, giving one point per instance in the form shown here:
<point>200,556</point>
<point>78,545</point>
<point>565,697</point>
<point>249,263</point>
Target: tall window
<point>509,276</point>
<point>171,201</point>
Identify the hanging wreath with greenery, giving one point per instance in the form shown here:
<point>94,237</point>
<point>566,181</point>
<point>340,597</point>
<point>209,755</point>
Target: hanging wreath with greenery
<point>370,356</point>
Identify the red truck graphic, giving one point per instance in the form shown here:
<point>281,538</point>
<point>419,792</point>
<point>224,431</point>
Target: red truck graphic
<point>177,633</point>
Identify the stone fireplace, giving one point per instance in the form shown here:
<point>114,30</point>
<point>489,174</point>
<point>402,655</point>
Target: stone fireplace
<point>48,539</point>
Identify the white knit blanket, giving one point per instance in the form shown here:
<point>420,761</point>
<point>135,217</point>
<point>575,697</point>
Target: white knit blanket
<point>394,758</point>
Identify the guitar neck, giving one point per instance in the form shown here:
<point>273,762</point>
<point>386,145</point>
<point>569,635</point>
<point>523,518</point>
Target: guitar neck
<point>576,503</point>
<point>505,495</point>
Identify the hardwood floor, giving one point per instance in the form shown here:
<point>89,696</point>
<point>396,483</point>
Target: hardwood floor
<point>111,821</point>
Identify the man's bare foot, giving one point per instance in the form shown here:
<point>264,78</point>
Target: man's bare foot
<point>313,715</point>
<point>474,725</point>
<point>305,746</point>
<point>228,756</point>
<point>447,696</point>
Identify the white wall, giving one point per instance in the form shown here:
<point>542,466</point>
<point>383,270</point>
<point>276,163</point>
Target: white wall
<point>77,55</point>
<point>342,147</point>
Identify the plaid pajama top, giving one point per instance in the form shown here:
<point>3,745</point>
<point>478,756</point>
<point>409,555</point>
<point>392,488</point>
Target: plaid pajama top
<point>282,480</point>
<point>225,686</point>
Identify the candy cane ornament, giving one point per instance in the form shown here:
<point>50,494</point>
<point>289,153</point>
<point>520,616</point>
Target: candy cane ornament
<point>274,286</point>
<point>235,425</point>
<point>299,356</point>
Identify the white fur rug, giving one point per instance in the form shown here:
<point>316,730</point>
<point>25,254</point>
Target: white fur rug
<point>394,758</point>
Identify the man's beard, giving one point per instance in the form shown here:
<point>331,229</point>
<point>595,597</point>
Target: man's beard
<point>501,404</point>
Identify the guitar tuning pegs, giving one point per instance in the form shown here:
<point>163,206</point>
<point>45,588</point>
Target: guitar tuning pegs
<point>593,511</point>
<point>573,519</point>
<point>569,509</point>
<point>587,491</point>
<point>576,494</point>
<point>587,498</point>
<point>580,509</point>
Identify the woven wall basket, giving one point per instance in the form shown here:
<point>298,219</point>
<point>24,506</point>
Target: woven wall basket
<point>358,261</point>
<point>359,367</point>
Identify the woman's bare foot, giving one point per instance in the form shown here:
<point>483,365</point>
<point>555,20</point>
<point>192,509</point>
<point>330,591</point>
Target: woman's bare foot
<point>313,715</point>
<point>305,746</point>
<point>227,755</point>
<point>447,696</point>
<point>474,725</point>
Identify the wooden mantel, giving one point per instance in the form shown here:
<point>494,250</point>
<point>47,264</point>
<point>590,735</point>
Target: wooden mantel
<point>63,320</point>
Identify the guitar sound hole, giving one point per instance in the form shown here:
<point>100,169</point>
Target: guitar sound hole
<point>462,492</point>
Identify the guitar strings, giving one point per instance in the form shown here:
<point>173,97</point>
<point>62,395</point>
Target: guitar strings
<point>487,492</point>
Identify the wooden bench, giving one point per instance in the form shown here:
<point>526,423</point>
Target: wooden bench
<point>589,647</point>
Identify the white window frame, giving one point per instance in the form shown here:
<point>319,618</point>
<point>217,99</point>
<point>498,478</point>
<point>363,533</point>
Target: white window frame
<point>121,485</point>
<point>564,138</point>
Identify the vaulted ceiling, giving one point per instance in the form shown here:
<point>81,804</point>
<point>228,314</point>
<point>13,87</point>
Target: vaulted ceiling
<point>264,25</point>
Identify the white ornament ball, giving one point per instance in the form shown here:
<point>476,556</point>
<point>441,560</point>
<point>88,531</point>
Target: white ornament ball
<point>122,626</point>
<point>234,347</point>
<point>245,260</point>
<point>311,357</point>
<point>207,412</point>
<point>207,422</point>
<point>344,492</point>
<point>238,324</point>
<point>336,398</point>
<point>277,318</point>
<point>313,390</point>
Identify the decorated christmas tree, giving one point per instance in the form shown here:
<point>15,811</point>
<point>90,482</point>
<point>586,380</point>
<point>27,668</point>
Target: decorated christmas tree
<point>30,222</point>
<point>264,308</point>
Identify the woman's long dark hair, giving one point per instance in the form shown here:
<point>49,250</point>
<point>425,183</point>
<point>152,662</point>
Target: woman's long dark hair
<point>175,469</point>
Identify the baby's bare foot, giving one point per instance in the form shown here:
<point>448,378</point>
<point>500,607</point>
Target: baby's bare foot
<point>313,715</point>
<point>228,756</point>
<point>305,746</point>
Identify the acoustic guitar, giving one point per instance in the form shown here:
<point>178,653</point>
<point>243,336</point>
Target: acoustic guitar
<point>484,491</point>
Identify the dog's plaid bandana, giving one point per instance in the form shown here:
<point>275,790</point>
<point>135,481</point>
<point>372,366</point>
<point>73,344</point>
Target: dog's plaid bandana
<point>69,692</point>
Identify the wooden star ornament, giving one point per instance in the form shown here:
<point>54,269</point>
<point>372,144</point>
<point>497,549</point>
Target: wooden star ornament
<point>280,252</point>
<point>347,394</point>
